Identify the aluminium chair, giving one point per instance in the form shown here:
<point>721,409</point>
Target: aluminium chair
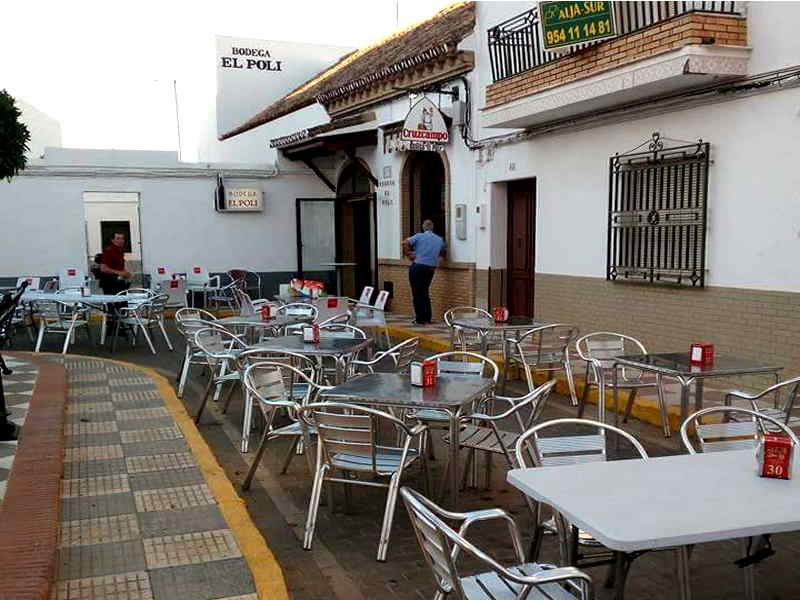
<point>441,545</point>
<point>729,434</point>
<point>61,318</point>
<point>599,350</point>
<point>396,359</point>
<point>546,349</point>
<point>220,348</point>
<point>374,316</point>
<point>143,316</point>
<point>535,449</point>
<point>349,443</point>
<point>301,309</point>
<point>466,340</point>
<point>278,387</point>
<point>189,321</point>
<point>71,277</point>
<point>779,410</point>
<point>481,432</point>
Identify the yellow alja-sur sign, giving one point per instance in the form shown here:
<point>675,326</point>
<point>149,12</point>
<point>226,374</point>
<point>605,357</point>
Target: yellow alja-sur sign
<point>565,24</point>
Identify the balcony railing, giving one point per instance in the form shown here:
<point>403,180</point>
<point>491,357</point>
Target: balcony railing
<point>515,45</point>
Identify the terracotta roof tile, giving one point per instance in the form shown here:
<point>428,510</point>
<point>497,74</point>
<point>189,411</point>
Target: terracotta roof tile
<point>403,49</point>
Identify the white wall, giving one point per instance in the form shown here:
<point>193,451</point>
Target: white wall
<point>754,189</point>
<point>179,226</point>
<point>44,129</point>
<point>247,86</point>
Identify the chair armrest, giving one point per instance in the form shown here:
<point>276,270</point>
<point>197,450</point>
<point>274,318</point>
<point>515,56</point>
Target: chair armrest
<point>550,574</point>
<point>739,394</point>
<point>215,279</point>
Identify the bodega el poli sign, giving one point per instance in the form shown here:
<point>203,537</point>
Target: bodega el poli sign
<point>566,24</point>
<point>424,128</point>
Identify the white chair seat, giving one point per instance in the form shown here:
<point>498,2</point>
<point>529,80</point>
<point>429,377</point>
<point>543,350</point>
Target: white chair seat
<point>483,438</point>
<point>387,460</point>
<point>490,586</point>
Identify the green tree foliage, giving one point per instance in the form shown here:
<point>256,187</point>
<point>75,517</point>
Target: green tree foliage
<point>14,138</point>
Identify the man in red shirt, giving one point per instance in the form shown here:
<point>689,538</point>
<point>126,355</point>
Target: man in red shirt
<point>112,266</point>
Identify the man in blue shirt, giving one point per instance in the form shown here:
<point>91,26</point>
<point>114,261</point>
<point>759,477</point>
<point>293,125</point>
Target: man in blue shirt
<point>424,249</point>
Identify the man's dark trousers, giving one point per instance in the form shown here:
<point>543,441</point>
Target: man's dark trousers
<point>420,277</point>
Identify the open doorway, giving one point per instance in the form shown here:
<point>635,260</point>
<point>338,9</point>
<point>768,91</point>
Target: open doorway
<point>107,213</point>
<point>355,235</point>
<point>425,180</point>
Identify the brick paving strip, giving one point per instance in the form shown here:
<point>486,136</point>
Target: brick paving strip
<point>144,515</point>
<point>29,513</point>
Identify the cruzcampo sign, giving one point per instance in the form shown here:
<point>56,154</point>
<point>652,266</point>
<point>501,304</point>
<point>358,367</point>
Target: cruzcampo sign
<point>424,127</point>
<point>566,24</point>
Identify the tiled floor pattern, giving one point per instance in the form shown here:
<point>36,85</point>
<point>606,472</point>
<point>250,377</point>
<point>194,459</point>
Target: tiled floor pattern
<point>18,389</point>
<point>138,521</point>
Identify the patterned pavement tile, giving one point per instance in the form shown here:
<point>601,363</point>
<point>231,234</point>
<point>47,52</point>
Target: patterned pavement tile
<point>87,378</point>
<point>94,486</point>
<point>218,579</point>
<point>88,393</point>
<point>101,530</point>
<point>159,462</point>
<point>87,453</point>
<point>18,388</point>
<point>120,586</point>
<point>146,423</point>
<point>91,507</point>
<point>190,548</point>
<point>136,414</point>
<point>151,435</point>
<point>89,408</point>
<point>93,439</point>
<point>91,427</point>
<point>151,480</point>
<point>79,562</point>
<point>173,498</point>
<point>137,396</point>
<point>198,518</point>
<point>156,447</point>
<point>93,468</point>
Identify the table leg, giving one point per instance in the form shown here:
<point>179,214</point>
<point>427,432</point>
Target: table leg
<point>685,385</point>
<point>246,422</point>
<point>698,394</point>
<point>749,572</point>
<point>454,452</point>
<point>505,364</point>
<point>684,581</point>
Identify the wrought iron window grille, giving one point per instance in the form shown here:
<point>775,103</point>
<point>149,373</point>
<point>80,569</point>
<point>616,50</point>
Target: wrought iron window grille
<point>515,45</point>
<point>657,209</point>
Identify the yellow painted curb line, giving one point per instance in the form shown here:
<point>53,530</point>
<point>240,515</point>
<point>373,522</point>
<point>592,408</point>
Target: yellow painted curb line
<point>267,573</point>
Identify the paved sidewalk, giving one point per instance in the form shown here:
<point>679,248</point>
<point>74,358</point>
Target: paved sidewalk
<point>18,388</point>
<point>138,520</point>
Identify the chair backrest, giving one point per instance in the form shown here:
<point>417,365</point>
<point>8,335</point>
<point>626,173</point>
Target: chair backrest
<point>175,289</point>
<point>217,343</point>
<point>441,546</point>
<point>193,314</point>
<point>307,365</point>
<point>466,364</point>
<point>158,274</point>
<point>336,330</point>
<point>245,303</point>
<point>465,312</point>
<point>602,347</point>
<point>380,301</point>
<point>298,308</point>
<point>70,277</point>
<point>366,295</point>
<point>535,449</point>
<point>404,353</point>
<point>351,429</point>
<point>340,319</point>
<point>245,279</point>
<point>330,306</point>
<point>274,384</point>
<point>730,435</point>
<point>546,344</point>
<point>198,275</point>
<point>33,282</point>
<point>526,410</point>
<point>50,286</point>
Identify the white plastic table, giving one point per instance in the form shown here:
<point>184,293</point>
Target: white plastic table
<point>669,501</point>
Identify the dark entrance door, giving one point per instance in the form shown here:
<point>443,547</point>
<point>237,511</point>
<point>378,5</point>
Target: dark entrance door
<point>521,235</point>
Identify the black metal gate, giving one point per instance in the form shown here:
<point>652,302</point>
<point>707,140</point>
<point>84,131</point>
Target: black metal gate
<point>657,214</point>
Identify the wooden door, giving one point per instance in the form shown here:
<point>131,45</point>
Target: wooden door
<point>521,234</point>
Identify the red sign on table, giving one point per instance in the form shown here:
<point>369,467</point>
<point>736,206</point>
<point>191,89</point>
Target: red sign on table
<point>701,353</point>
<point>500,314</point>
<point>775,456</point>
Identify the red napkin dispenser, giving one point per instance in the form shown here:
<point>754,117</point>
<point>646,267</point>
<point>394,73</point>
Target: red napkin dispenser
<point>775,456</point>
<point>701,353</point>
<point>500,314</point>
